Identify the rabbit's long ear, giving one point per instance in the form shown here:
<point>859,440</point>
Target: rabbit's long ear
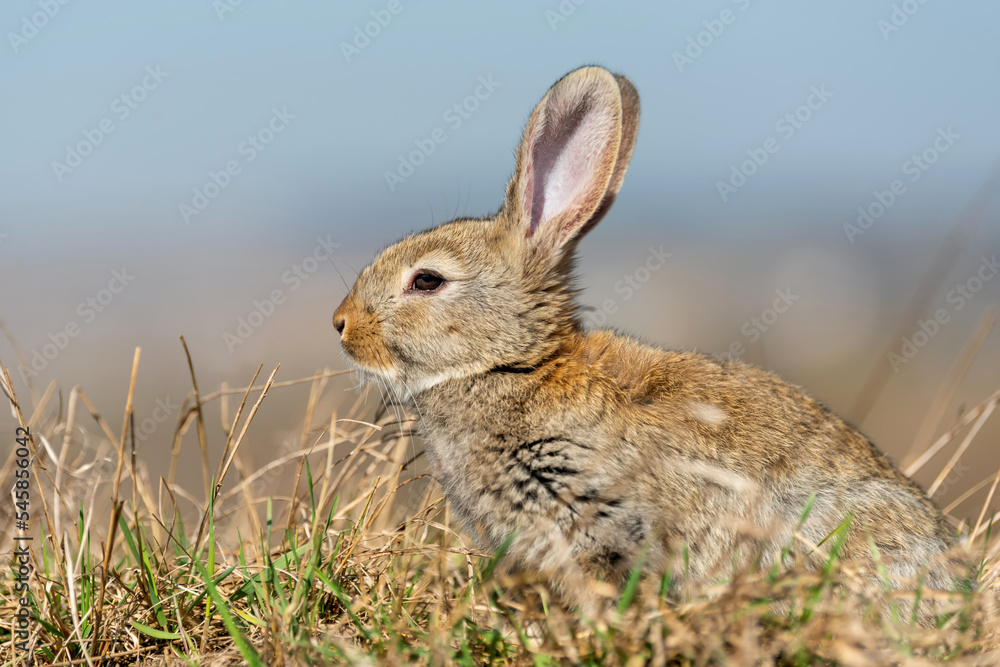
<point>572,158</point>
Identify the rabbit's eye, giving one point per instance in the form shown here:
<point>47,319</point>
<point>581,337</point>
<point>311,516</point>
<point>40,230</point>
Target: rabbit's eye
<point>426,282</point>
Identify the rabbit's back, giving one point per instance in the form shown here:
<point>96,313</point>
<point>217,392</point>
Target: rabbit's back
<point>761,447</point>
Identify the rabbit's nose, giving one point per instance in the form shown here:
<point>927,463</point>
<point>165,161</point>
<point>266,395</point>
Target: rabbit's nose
<point>339,322</point>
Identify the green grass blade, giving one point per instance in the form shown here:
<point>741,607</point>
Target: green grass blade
<point>243,645</point>
<point>153,632</point>
<point>632,585</point>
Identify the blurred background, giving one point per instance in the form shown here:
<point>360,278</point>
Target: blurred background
<point>814,190</point>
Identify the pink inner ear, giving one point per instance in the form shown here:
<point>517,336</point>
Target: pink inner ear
<point>565,160</point>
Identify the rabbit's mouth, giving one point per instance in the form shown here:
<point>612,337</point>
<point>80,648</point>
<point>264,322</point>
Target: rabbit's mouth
<point>370,372</point>
<point>374,369</point>
<point>388,376</point>
<point>368,375</point>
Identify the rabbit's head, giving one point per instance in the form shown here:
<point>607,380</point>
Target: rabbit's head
<point>474,294</point>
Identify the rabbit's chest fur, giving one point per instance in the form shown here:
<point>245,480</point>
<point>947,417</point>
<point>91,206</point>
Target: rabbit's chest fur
<point>619,445</point>
<point>500,475</point>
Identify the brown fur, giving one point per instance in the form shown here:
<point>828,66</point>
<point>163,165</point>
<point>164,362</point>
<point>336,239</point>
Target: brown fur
<point>590,447</point>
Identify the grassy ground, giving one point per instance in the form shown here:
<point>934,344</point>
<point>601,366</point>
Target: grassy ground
<point>355,562</point>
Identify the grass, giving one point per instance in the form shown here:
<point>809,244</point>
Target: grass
<point>355,562</point>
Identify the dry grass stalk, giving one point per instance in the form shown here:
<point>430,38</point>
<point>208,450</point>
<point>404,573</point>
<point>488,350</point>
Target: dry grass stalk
<point>367,569</point>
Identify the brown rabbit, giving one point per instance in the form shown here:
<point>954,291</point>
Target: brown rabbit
<point>591,447</point>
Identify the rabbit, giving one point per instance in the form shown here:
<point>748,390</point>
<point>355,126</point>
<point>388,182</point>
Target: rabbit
<point>584,453</point>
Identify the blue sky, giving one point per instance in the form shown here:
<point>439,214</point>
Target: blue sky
<point>225,72</point>
<point>288,139</point>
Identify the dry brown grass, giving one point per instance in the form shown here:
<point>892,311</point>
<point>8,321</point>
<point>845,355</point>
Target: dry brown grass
<point>355,562</point>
